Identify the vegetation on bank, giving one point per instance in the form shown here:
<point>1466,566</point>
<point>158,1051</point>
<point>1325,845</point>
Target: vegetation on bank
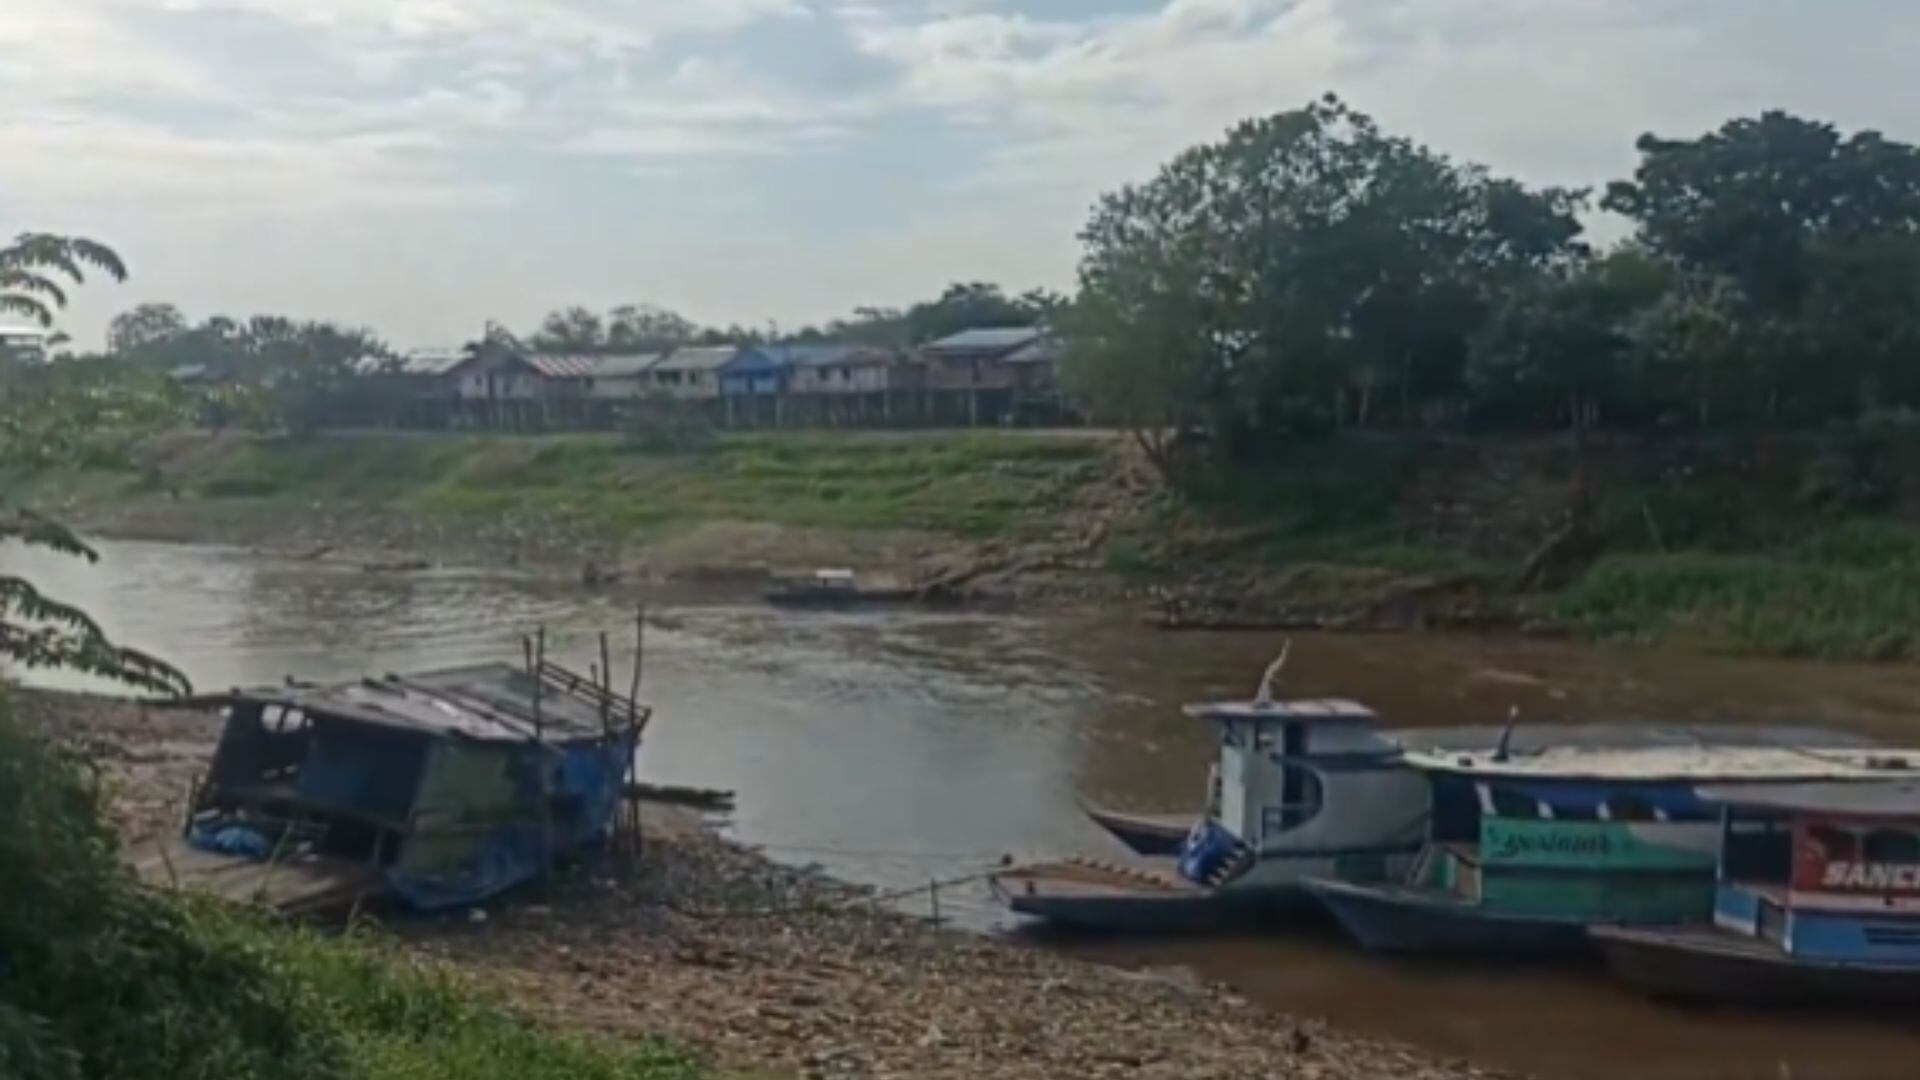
<point>100,978</point>
<point>967,485</point>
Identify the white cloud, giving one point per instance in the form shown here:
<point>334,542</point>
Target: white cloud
<point>57,162</point>
<point>366,154</point>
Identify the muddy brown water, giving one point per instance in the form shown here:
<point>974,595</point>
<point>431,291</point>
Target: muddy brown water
<point>895,748</point>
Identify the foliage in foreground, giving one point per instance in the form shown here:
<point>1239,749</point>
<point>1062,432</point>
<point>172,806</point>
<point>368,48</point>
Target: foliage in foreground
<point>102,979</point>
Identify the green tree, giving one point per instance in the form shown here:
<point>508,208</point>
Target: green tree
<point>1756,198</point>
<point>1814,234</point>
<point>638,328</point>
<point>1561,348</point>
<point>966,306</point>
<point>1293,273</point>
<point>37,269</point>
<point>571,330</point>
<point>36,630</point>
<point>145,329</point>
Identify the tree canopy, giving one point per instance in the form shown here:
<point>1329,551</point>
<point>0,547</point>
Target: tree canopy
<point>1310,272</point>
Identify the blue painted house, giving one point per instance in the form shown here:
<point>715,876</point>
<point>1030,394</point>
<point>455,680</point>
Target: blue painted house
<point>754,372</point>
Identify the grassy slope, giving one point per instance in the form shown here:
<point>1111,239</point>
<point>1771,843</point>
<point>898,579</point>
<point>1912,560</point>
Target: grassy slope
<point>1724,557</point>
<point>99,978</point>
<point>972,486</point>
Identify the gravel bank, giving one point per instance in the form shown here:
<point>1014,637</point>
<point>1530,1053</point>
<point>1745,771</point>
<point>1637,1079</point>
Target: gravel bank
<point>774,970</point>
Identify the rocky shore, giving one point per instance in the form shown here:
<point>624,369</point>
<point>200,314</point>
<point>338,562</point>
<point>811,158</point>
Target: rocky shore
<point>780,972</point>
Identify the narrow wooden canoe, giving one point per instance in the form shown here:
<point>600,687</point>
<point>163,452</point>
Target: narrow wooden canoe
<point>1144,834</point>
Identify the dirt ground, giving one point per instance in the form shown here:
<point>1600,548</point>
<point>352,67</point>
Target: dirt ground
<point>782,972</point>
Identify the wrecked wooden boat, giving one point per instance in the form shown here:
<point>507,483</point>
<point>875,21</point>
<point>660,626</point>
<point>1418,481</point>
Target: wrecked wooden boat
<point>440,789</point>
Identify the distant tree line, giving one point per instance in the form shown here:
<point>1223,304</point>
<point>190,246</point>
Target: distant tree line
<point>644,328</point>
<point>1310,273</point>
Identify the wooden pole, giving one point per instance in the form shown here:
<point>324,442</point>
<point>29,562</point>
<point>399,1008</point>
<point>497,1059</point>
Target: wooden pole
<point>606,686</point>
<point>540,756</point>
<point>639,650</point>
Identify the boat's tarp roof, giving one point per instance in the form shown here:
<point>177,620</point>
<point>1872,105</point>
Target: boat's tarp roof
<point>491,701</point>
<point>1857,799</point>
<point>1297,709</point>
<point>1686,763</point>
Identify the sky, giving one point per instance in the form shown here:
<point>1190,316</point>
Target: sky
<point>423,166</point>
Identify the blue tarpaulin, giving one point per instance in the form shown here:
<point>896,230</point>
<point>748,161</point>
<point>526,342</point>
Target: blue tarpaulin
<point>586,779</point>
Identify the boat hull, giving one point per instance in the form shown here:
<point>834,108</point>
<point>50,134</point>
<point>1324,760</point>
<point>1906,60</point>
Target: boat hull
<point>808,597</point>
<point>1397,919</point>
<point>1139,899</point>
<point>1705,964</point>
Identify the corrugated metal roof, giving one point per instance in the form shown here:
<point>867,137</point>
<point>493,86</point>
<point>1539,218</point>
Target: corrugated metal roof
<point>492,701</point>
<point>424,363</point>
<point>986,340</point>
<point>705,358</point>
<point>824,354</point>
<point>1041,350</point>
<point>563,366</point>
<point>627,366</point>
<point>1704,764</point>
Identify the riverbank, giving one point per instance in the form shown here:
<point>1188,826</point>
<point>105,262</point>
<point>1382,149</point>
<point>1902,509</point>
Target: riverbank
<point>772,971</point>
<point>1710,548</point>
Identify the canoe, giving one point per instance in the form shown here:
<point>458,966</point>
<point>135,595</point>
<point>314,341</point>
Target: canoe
<point>811,595</point>
<point>1144,834</point>
<point>1704,963</point>
<point>1399,919</point>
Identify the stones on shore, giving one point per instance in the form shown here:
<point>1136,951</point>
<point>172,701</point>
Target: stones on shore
<point>774,970</point>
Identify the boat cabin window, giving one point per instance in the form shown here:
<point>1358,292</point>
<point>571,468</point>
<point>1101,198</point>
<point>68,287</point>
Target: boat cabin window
<point>1896,846</point>
<point>1757,850</point>
<point>1301,797</point>
<point>1508,803</point>
<point>1572,811</point>
<point>1629,807</point>
<point>284,719</point>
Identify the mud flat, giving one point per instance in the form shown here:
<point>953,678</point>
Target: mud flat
<point>781,971</point>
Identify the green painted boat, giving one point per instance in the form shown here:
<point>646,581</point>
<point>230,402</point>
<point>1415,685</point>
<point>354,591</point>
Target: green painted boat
<point>1525,852</point>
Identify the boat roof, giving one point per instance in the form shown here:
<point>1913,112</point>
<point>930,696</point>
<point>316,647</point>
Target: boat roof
<point>1857,799</point>
<point>1296,709</point>
<point>1694,763</point>
<point>485,702</point>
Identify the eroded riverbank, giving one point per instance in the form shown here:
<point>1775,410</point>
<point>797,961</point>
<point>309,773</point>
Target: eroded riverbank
<point>772,969</point>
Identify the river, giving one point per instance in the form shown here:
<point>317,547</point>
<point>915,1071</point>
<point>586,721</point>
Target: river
<point>898,747</point>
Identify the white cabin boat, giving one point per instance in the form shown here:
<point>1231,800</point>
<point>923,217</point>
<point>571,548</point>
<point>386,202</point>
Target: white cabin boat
<point>1316,789</point>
